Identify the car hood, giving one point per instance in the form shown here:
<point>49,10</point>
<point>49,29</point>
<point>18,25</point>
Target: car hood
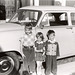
<point>10,27</point>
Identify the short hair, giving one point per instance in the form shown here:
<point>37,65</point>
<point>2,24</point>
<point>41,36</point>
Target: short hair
<point>50,32</point>
<point>40,34</point>
<point>28,25</point>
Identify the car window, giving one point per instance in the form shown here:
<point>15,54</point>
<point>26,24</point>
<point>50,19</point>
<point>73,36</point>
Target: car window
<point>24,16</point>
<point>55,19</point>
<point>73,18</point>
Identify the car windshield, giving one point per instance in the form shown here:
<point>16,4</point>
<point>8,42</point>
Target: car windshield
<point>25,16</point>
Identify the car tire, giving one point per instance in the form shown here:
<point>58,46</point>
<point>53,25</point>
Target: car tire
<point>9,64</point>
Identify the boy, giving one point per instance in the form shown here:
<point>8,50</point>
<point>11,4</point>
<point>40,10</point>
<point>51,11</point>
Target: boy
<point>52,51</point>
<point>27,41</point>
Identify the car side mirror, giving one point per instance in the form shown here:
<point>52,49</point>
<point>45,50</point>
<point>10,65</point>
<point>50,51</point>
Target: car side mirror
<point>41,26</point>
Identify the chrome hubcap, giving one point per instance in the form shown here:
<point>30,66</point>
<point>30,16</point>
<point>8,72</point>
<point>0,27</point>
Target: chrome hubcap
<point>6,65</point>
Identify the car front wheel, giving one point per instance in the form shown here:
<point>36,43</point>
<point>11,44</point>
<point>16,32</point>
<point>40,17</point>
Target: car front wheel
<point>9,64</point>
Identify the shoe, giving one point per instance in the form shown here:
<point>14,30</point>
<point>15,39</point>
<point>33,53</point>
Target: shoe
<point>25,73</point>
<point>51,74</point>
<point>34,73</point>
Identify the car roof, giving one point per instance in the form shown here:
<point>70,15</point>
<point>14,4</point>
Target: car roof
<point>49,8</point>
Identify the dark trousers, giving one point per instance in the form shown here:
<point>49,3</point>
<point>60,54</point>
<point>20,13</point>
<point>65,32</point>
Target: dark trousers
<point>29,60</point>
<point>51,65</point>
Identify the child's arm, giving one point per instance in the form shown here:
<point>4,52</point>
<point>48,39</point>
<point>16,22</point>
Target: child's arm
<point>21,47</point>
<point>43,51</point>
<point>58,53</point>
<point>44,48</point>
<point>36,47</point>
<point>21,40</point>
<point>37,50</point>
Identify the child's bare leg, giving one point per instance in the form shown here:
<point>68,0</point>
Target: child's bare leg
<point>39,64</point>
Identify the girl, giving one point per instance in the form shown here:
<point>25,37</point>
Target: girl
<point>52,51</point>
<point>39,51</point>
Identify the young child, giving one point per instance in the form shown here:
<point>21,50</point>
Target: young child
<point>27,41</point>
<point>52,51</point>
<point>39,52</point>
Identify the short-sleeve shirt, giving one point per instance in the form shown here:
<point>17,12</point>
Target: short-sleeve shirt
<point>28,40</point>
<point>40,45</point>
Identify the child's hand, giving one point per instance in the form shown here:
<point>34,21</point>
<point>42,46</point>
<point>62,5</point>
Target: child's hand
<point>41,50</point>
<point>43,54</point>
<point>37,50</point>
<point>23,56</point>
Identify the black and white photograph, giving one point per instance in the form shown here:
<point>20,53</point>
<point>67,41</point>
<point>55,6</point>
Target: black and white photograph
<point>37,37</point>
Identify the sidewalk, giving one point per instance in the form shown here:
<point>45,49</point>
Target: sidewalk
<point>66,69</point>
<point>63,69</point>
<point>2,21</point>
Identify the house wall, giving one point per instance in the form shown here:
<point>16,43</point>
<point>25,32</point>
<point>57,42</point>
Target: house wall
<point>60,2</point>
<point>13,5</point>
<point>10,8</point>
<point>70,3</point>
<point>24,3</point>
<point>2,2</point>
<point>46,2</point>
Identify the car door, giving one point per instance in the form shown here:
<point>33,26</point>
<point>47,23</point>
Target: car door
<point>59,23</point>
<point>73,24</point>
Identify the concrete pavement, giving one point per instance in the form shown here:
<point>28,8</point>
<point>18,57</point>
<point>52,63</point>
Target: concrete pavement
<point>62,69</point>
<point>66,69</point>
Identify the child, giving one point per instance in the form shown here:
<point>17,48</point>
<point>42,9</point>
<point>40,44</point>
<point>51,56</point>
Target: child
<point>52,51</point>
<point>39,51</point>
<point>27,41</point>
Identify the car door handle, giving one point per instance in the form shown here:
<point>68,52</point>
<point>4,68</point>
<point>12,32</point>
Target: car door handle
<point>69,28</point>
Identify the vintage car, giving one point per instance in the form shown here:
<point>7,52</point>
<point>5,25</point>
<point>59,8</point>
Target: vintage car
<point>58,18</point>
